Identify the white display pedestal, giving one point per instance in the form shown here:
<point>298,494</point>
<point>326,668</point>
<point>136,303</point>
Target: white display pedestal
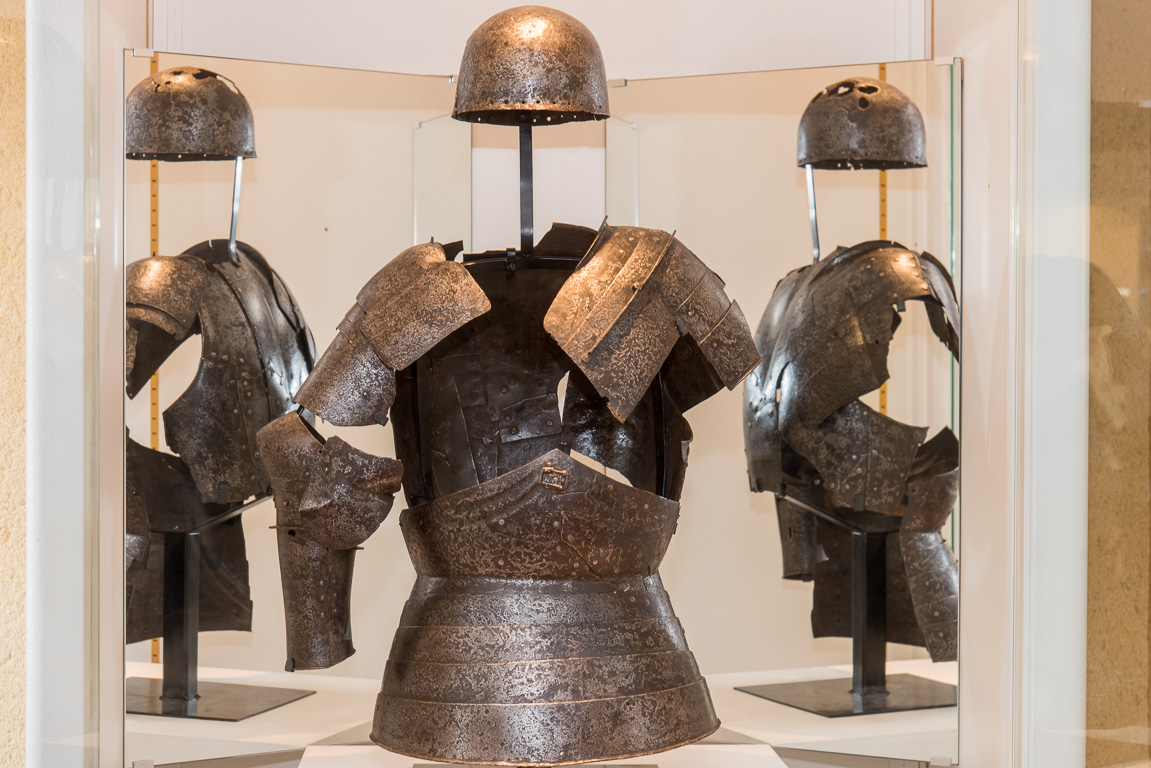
<point>921,736</point>
<point>342,706</point>
<point>692,756</point>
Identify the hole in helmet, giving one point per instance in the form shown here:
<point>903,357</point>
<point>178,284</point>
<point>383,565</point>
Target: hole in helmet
<point>843,88</point>
<point>178,72</point>
<point>863,102</point>
<point>291,532</point>
<point>868,89</point>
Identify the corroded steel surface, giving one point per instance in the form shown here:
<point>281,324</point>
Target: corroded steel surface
<point>330,498</point>
<point>538,631</point>
<point>162,496</point>
<point>862,123</point>
<point>531,65</point>
<point>624,309</point>
<point>540,671</point>
<point>552,518</point>
<point>824,338</point>
<point>188,113</point>
<point>256,350</point>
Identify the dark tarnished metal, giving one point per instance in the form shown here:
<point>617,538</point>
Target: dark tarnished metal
<point>538,631</point>
<point>188,113</point>
<point>256,351</point>
<point>797,536</point>
<point>824,338</point>
<point>862,123</point>
<point>330,498</point>
<point>162,496</point>
<point>624,309</point>
<point>531,65</point>
<point>831,599</point>
<point>552,518</point>
<point>932,576</point>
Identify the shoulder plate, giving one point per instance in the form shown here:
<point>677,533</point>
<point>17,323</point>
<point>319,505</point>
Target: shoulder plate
<point>633,296</point>
<point>408,307</point>
<point>415,301</point>
<point>165,291</point>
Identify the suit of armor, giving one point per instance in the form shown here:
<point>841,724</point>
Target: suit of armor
<point>824,339</point>
<point>538,631</point>
<point>256,351</point>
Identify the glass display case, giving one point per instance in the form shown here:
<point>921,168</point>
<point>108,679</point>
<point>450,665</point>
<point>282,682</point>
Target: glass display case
<point>352,167</point>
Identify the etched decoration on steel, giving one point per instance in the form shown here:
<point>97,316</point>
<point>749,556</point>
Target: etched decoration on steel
<point>256,351</point>
<point>824,339</point>
<point>538,631</point>
<point>531,65</point>
<point>862,123</point>
<point>187,113</point>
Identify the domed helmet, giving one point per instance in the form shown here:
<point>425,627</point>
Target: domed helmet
<point>531,65</point>
<point>862,123</point>
<point>188,113</point>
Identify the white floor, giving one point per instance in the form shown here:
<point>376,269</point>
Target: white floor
<point>343,706</point>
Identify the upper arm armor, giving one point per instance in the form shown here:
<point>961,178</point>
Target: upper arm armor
<point>634,295</point>
<point>416,300</point>
<point>166,292</point>
<point>163,296</point>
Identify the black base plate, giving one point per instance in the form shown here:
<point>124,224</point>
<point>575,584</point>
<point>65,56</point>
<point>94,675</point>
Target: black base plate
<point>833,698</point>
<point>218,701</point>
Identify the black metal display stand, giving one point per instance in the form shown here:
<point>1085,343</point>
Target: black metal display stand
<point>180,693</point>
<point>870,690</point>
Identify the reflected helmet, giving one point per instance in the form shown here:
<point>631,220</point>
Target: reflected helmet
<point>862,123</point>
<point>188,113</point>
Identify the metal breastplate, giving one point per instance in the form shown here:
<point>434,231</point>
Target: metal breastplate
<point>487,399</point>
<point>256,351</point>
<point>541,570</point>
<point>538,630</point>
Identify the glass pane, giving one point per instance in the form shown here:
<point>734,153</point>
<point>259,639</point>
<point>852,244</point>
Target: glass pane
<point>58,48</point>
<point>716,158</point>
<point>327,201</point>
<point>443,180</point>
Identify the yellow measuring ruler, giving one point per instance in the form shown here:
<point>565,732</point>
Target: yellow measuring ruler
<point>154,204</point>
<point>883,236</point>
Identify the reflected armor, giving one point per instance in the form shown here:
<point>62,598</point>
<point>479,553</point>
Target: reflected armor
<point>256,351</point>
<point>538,631</point>
<point>824,339</point>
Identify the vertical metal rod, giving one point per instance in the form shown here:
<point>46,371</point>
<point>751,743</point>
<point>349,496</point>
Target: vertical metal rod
<point>181,622</point>
<point>811,213</point>
<point>868,615</point>
<point>527,214</point>
<point>235,207</point>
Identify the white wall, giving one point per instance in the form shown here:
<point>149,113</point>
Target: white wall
<point>639,39</point>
